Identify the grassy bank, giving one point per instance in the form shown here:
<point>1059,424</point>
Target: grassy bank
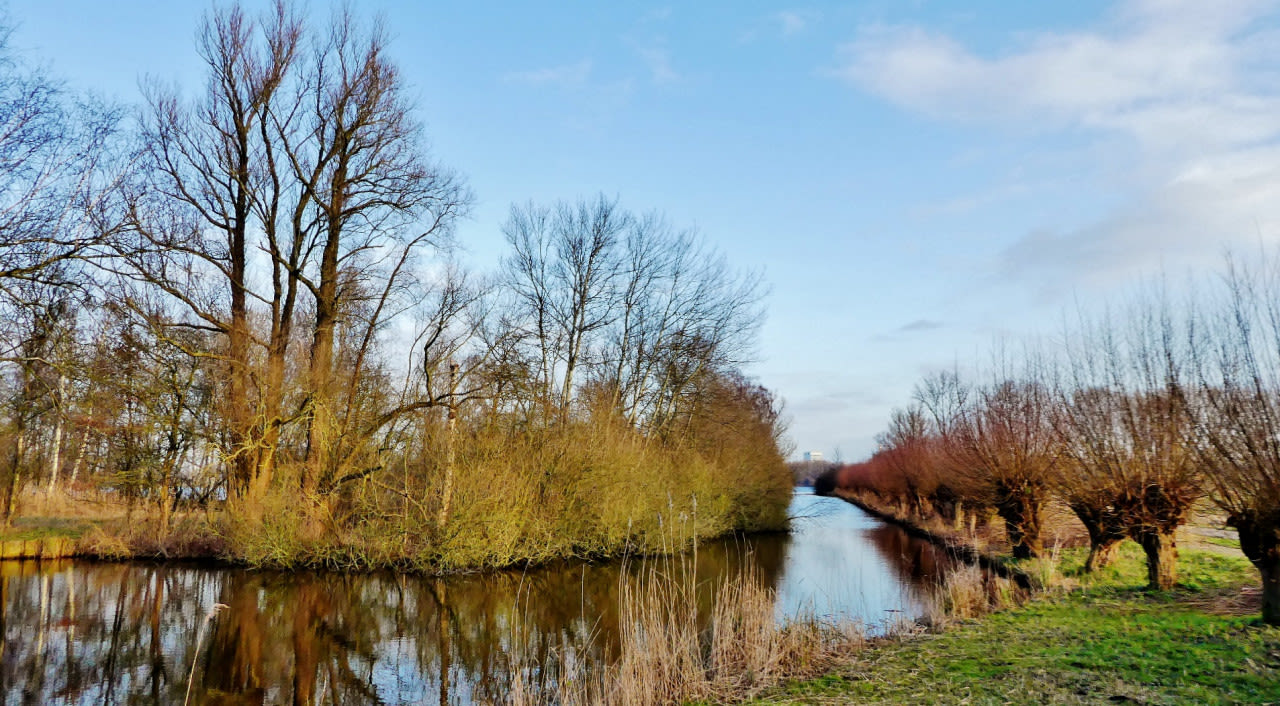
<point>1088,639</point>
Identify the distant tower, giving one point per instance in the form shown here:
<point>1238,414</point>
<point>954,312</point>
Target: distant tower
<point>812,455</point>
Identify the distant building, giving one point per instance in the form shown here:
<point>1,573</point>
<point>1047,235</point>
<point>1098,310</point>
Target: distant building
<point>812,455</point>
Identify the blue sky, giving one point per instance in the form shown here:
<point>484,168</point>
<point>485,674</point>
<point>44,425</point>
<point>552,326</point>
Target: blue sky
<point>914,178</point>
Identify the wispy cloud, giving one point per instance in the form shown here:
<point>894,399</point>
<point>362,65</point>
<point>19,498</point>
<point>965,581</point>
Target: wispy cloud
<point>831,406</point>
<point>662,14</point>
<point>920,325</point>
<point>791,22</point>
<point>1191,90</point>
<point>658,59</point>
<point>785,24</point>
<point>907,329</point>
<point>566,76</point>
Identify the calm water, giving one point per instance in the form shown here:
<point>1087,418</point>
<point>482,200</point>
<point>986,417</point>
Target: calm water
<point>89,633</point>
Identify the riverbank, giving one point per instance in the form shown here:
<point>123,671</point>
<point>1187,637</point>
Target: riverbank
<point>950,541</point>
<point>1086,639</point>
<point>600,522</point>
<point>199,541</point>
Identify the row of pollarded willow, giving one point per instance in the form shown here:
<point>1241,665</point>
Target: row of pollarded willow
<point>1130,421</point>
<point>277,322</point>
<point>1130,467</point>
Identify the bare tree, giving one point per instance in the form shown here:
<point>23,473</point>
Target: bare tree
<point>379,202</point>
<point>154,402</point>
<point>57,164</point>
<point>1086,480</point>
<point>211,187</point>
<point>57,160</point>
<point>298,185</point>
<point>646,311</point>
<point>1000,436</point>
<point>1125,435</point>
<point>32,388</point>
<point>564,269</point>
<point>699,323</point>
<point>906,449</point>
<point>1234,400</point>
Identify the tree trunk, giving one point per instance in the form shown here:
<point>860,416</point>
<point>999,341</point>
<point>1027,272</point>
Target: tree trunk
<point>75,466</point>
<point>162,525</point>
<point>1105,532</point>
<point>273,403</point>
<point>1162,558</point>
<point>55,464</point>
<point>1270,593</point>
<point>15,477</point>
<point>1022,520</point>
<point>320,435</point>
<point>241,408</point>
<point>1258,540</point>
<point>1102,553</point>
<point>451,432</point>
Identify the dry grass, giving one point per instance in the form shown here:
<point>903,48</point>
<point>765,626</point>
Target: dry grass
<point>967,593</point>
<point>66,503</point>
<point>1045,572</point>
<point>672,653</point>
<point>1233,601</point>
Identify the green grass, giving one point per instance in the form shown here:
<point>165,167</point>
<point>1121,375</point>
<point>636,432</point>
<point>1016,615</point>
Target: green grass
<point>29,528</point>
<point>1197,571</point>
<point>1109,642</point>
<point>1229,542</point>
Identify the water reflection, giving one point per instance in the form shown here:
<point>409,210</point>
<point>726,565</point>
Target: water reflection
<point>81,633</point>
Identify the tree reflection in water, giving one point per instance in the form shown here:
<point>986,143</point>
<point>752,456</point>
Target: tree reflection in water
<point>917,563</point>
<point>82,633</point>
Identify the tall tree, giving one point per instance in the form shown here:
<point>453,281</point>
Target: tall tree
<point>211,186</point>
<point>620,302</point>
<point>300,178</point>
<point>379,202</point>
<point>563,269</point>
<point>57,162</point>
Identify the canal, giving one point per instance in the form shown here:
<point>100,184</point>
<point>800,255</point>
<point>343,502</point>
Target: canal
<point>78,632</point>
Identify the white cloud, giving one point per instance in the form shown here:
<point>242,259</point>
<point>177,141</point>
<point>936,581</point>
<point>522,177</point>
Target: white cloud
<point>1216,201</point>
<point>566,76</point>
<point>1192,87</point>
<point>1150,65</point>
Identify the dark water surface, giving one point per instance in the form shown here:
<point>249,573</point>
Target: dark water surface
<point>92,633</point>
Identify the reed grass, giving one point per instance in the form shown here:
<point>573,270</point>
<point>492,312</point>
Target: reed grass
<point>682,641</point>
<point>195,655</point>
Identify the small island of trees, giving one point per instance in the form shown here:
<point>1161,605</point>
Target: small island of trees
<point>235,327</point>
